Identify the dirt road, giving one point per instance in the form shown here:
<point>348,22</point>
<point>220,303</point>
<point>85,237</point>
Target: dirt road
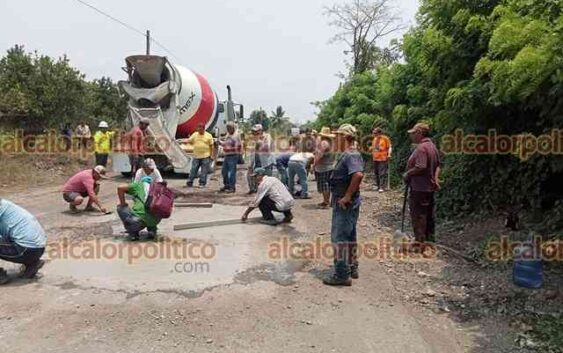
<point>238,300</point>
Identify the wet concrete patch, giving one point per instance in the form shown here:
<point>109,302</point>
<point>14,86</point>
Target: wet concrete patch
<point>186,263</point>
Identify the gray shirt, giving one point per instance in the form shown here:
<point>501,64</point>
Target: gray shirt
<point>325,158</point>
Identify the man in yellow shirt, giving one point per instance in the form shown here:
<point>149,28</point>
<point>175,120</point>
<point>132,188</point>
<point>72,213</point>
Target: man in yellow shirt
<point>381,154</point>
<point>204,153</point>
<point>102,143</point>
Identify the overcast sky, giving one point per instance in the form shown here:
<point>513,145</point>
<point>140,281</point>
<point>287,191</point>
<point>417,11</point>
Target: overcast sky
<point>272,52</point>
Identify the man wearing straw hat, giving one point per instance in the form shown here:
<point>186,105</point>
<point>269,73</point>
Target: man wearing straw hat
<point>324,164</point>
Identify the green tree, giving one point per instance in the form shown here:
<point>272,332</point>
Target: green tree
<point>260,117</point>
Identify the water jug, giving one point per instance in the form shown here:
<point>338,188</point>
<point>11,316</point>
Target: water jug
<point>528,267</point>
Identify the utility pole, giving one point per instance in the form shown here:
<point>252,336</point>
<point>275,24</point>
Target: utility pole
<point>148,42</point>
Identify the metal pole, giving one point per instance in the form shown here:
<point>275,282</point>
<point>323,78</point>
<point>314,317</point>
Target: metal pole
<point>148,42</point>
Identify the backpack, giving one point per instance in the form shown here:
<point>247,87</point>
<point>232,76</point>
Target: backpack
<point>160,200</point>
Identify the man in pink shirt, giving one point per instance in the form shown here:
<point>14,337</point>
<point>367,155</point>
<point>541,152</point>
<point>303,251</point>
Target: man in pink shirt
<point>84,184</point>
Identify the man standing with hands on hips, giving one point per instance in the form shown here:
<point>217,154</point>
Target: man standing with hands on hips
<point>345,187</point>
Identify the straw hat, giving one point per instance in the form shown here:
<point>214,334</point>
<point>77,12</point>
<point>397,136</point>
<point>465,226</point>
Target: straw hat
<point>325,132</point>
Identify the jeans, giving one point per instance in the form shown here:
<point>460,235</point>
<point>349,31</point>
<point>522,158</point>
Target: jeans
<point>133,224</point>
<point>380,170</point>
<point>102,159</point>
<point>421,205</point>
<point>344,239</point>
<point>229,171</point>
<point>298,169</point>
<point>15,253</point>
<point>196,165</point>
<point>282,171</point>
<point>266,206</point>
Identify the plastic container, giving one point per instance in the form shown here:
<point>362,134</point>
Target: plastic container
<point>527,271</point>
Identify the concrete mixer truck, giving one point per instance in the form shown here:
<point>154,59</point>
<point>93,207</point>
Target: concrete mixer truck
<point>176,100</point>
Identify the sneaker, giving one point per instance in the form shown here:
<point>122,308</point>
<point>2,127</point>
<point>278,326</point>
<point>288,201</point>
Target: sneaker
<point>203,187</point>
<point>354,273</point>
<point>4,277</point>
<point>288,219</point>
<point>189,185</point>
<point>332,280</point>
<point>223,189</point>
<point>381,190</point>
<point>269,222</point>
<point>230,191</point>
<point>133,237</point>
<point>73,209</point>
<point>90,209</point>
<point>31,270</point>
<point>305,197</point>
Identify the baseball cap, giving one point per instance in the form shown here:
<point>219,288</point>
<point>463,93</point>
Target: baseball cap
<point>422,127</point>
<point>257,127</point>
<point>347,129</point>
<point>101,171</point>
<point>150,163</point>
<point>259,171</point>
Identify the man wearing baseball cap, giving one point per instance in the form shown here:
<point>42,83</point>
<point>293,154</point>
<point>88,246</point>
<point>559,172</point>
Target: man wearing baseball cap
<point>423,168</point>
<point>345,187</point>
<point>85,184</point>
<point>272,195</point>
<point>262,155</point>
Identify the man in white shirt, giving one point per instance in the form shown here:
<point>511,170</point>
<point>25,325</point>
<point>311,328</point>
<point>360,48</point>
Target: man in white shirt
<point>272,195</point>
<point>84,134</point>
<point>149,169</point>
<point>299,165</point>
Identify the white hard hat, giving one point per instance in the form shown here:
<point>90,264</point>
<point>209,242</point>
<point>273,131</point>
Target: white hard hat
<point>103,124</point>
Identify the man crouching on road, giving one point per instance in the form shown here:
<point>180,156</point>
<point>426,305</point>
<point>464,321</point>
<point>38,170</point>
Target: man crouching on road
<point>272,195</point>
<point>345,187</point>
<point>137,218</point>
<point>22,240</point>
<point>84,184</point>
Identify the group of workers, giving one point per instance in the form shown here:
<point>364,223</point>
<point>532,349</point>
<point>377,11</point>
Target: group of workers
<point>336,161</point>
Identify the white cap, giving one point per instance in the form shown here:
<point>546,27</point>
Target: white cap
<point>149,163</point>
<point>257,127</point>
<point>103,124</point>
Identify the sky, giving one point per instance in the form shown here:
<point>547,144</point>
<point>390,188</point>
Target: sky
<point>270,52</point>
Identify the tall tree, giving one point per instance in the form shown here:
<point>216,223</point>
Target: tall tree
<point>260,116</point>
<point>361,23</point>
<point>279,121</point>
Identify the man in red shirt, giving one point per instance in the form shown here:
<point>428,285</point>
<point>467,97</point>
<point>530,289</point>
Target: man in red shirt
<point>423,169</point>
<point>84,184</point>
<point>137,147</point>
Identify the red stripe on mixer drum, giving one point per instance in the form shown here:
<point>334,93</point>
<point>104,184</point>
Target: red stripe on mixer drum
<point>205,111</point>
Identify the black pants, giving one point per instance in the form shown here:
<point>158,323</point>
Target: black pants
<point>422,214</point>
<point>267,206</point>
<point>380,171</point>
<point>12,252</point>
<point>102,159</point>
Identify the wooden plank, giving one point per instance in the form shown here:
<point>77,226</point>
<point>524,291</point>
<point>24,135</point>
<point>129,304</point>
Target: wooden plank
<point>193,205</point>
<point>223,222</point>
